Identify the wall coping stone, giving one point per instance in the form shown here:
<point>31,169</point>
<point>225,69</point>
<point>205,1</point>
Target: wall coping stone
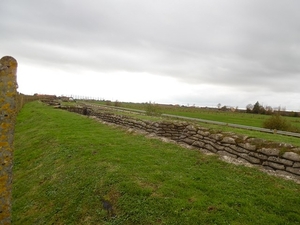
<point>228,140</point>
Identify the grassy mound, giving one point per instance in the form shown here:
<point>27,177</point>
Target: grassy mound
<point>68,169</point>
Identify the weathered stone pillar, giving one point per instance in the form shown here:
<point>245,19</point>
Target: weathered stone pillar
<point>8,95</point>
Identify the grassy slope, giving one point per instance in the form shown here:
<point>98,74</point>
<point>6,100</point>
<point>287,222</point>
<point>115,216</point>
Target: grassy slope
<point>64,164</point>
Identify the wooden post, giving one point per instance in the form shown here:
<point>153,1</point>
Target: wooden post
<point>8,95</point>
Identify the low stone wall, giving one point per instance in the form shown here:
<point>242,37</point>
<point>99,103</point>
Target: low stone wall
<point>282,158</point>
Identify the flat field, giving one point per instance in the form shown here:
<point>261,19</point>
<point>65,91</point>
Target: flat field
<point>65,163</point>
<point>241,118</point>
<point>236,117</point>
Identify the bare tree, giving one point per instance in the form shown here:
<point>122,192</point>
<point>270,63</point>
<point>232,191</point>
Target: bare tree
<point>249,108</point>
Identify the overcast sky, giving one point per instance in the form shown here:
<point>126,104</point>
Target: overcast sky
<point>201,52</point>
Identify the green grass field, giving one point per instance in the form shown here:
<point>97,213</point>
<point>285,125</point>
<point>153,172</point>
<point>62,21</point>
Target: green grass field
<point>64,163</point>
<point>234,117</point>
<point>242,118</point>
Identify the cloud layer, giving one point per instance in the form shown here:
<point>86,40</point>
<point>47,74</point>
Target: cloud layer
<point>241,48</point>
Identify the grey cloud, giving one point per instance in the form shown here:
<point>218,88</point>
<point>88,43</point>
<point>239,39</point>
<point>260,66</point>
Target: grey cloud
<point>249,45</point>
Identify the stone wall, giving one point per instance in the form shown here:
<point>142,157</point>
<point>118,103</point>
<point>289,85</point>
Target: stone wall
<point>282,158</point>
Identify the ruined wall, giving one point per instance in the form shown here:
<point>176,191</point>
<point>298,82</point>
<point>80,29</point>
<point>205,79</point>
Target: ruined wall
<point>282,158</point>
<point>8,106</point>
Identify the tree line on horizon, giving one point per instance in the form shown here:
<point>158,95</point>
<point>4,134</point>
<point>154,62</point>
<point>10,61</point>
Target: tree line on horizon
<point>257,108</point>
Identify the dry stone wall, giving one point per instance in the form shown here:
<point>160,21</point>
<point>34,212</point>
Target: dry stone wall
<point>282,158</point>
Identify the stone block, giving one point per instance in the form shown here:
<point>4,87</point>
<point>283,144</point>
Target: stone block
<point>227,154</point>
<point>292,156</point>
<point>229,150</point>
<point>192,132</point>
<point>210,148</point>
<point>280,160</point>
<point>228,140</point>
<point>198,136</point>
<point>268,168</point>
<point>182,136</point>
<point>208,141</point>
<point>199,144</point>
<point>173,132</point>
<point>161,134</point>
<point>203,133</point>
<point>243,161</point>
<point>217,137</point>
<point>296,165</point>
<point>274,165</point>
<point>269,151</point>
<point>191,128</point>
<point>248,146</point>
<point>286,174</point>
<point>238,149</point>
<point>250,158</point>
<point>218,147</point>
<point>258,155</point>
<point>293,170</point>
<point>188,141</point>
<point>156,124</point>
<point>193,138</point>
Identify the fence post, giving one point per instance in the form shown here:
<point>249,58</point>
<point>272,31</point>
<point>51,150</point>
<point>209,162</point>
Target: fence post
<point>8,105</point>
